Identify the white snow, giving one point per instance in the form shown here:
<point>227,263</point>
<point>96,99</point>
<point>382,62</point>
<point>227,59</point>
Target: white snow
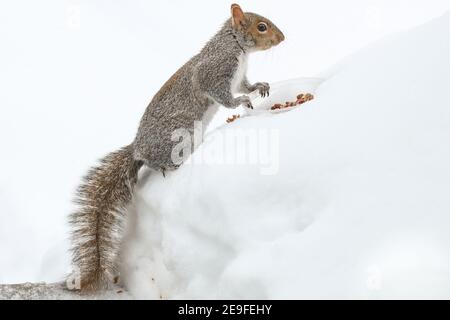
<point>356,203</point>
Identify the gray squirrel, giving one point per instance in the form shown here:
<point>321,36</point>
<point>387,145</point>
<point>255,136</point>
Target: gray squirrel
<point>192,94</point>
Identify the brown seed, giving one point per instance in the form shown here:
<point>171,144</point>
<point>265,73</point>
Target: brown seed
<point>233,118</point>
<point>276,106</point>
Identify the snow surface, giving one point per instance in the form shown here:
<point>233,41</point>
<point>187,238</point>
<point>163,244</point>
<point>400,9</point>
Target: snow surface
<point>56,291</point>
<point>345,197</point>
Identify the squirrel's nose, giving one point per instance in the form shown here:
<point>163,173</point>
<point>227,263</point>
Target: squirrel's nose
<point>281,37</point>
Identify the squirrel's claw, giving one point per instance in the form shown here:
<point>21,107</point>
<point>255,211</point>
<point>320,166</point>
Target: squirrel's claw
<point>263,88</point>
<point>245,101</point>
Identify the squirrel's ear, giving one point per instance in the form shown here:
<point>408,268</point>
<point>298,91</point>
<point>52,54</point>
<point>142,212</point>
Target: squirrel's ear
<point>238,17</point>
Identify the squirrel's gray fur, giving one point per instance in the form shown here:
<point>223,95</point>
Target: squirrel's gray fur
<point>208,79</point>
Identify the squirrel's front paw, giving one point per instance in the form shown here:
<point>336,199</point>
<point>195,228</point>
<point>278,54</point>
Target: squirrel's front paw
<point>263,88</point>
<point>245,101</point>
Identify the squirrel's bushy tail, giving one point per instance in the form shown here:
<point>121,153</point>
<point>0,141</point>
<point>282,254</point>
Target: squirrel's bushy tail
<point>97,224</point>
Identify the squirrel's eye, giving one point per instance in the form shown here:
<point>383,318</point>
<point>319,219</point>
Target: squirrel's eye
<point>262,27</point>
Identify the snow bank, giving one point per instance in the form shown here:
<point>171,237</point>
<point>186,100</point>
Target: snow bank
<point>56,291</point>
<point>345,197</point>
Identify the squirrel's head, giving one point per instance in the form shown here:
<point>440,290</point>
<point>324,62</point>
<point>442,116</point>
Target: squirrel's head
<point>257,33</point>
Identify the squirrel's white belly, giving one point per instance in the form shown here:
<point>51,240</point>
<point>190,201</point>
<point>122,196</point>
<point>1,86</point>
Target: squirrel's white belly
<point>209,115</point>
<point>239,74</point>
